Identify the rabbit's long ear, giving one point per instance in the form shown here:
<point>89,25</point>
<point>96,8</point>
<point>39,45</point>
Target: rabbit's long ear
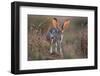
<point>66,24</point>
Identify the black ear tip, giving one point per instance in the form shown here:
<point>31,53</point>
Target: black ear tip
<point>62,26</point>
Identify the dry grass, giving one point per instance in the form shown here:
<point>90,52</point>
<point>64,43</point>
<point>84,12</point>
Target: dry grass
<point>74,43</point>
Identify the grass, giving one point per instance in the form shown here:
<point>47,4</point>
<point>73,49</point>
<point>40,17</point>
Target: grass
<point>38,46</point>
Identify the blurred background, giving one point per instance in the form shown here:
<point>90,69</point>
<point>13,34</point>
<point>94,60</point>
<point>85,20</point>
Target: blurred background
<point>74,42</point>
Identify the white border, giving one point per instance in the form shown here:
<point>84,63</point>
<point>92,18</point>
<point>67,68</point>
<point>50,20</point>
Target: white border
<point>26,65</point>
